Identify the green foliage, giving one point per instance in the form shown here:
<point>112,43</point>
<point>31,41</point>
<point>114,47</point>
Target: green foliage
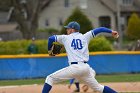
<point>133,29</point>
<point>11,47</point>
<point>20,47</point>
<point>43,46</point>
<point>50,31</point>
<point>100,44</point>
<point>78,16</point>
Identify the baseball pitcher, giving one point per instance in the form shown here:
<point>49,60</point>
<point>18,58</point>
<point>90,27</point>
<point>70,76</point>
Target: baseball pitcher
<point>76,45</point>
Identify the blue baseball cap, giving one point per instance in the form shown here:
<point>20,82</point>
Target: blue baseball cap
<point>73,25</point>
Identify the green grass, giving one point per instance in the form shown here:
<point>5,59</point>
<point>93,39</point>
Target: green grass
<point>21,82</point>
<point>100,78</point>
<point>119,78</point>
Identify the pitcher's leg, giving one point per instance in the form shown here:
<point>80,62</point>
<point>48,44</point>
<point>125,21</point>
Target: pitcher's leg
<point>77,85</point>
<point>63,74</point>
<point>108,90</point>
<point>92,82</point>
<point>46,88</point>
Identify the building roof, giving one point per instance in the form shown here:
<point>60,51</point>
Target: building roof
<point>112,5</point>
<point>8,27</point>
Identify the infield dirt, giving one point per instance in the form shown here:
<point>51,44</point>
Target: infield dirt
<point>62,88</point>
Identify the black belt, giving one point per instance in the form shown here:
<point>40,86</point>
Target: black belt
<point>76,62</point>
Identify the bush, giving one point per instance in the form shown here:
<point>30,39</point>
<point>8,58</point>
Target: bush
<point>11,47</point>
<point>133,29</point>
<point>20,47</point>
<point>100,44</point>
<point>78,16</point>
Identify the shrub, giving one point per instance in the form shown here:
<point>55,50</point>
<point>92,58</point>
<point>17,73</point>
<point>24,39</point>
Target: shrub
<point>43,46</point>
<point>133,29</point>
<point>13,47</point>
<point>100,44</point>
<point>78,16</point>
<point>20,47</point>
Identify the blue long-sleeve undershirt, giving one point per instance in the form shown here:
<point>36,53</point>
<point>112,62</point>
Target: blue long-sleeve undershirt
<point>51,40</point>
<point>71,81</point>
<point>100,30</point>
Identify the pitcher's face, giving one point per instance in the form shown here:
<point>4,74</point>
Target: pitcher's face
<point>70,30</point>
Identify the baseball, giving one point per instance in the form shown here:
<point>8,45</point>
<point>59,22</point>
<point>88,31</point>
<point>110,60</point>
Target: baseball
<point>85,88</point>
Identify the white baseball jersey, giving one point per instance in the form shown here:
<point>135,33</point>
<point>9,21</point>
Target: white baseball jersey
<point>76,45</point>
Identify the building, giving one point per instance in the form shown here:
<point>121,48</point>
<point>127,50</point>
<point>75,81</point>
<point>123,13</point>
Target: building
<point>100,12</point>
<point>8,29</point>
<point>54,13</point>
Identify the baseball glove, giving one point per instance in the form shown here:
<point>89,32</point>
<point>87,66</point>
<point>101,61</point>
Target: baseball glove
<point>55,50</point>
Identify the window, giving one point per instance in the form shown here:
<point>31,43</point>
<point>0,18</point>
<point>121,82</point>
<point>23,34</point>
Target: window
<point>127,2</point>
<point>60,21</point>
<point>23,1</point>
<point>105,21</point>
<point>66,3</point>
<point>83,4</point>
<point>47,22</point>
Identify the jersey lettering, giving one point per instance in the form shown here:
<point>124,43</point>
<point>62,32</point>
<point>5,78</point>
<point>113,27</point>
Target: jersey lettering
<point>76,44</point>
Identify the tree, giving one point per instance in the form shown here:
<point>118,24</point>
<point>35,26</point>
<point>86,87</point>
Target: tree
<point>133,29</point>
<point>78,16</point>
<point>25,13</point>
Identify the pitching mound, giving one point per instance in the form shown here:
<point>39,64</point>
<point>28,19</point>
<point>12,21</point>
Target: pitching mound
<point>59,88</point>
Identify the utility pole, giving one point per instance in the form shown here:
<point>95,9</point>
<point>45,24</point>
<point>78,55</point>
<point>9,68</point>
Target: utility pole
<point>119,24</point>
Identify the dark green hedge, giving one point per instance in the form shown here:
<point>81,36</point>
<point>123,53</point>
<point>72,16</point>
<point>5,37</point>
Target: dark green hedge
<point>20,46</point>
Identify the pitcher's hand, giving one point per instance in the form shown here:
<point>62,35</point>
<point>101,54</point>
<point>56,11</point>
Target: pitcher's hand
<point>115,34</point>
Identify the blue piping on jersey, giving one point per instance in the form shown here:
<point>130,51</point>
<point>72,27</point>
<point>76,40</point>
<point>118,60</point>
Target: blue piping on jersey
<point>100,30</point>
<point>51,40</point>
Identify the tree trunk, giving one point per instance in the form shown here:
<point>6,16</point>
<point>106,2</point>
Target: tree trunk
<point>26,15</point>
<point>27,32</point>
